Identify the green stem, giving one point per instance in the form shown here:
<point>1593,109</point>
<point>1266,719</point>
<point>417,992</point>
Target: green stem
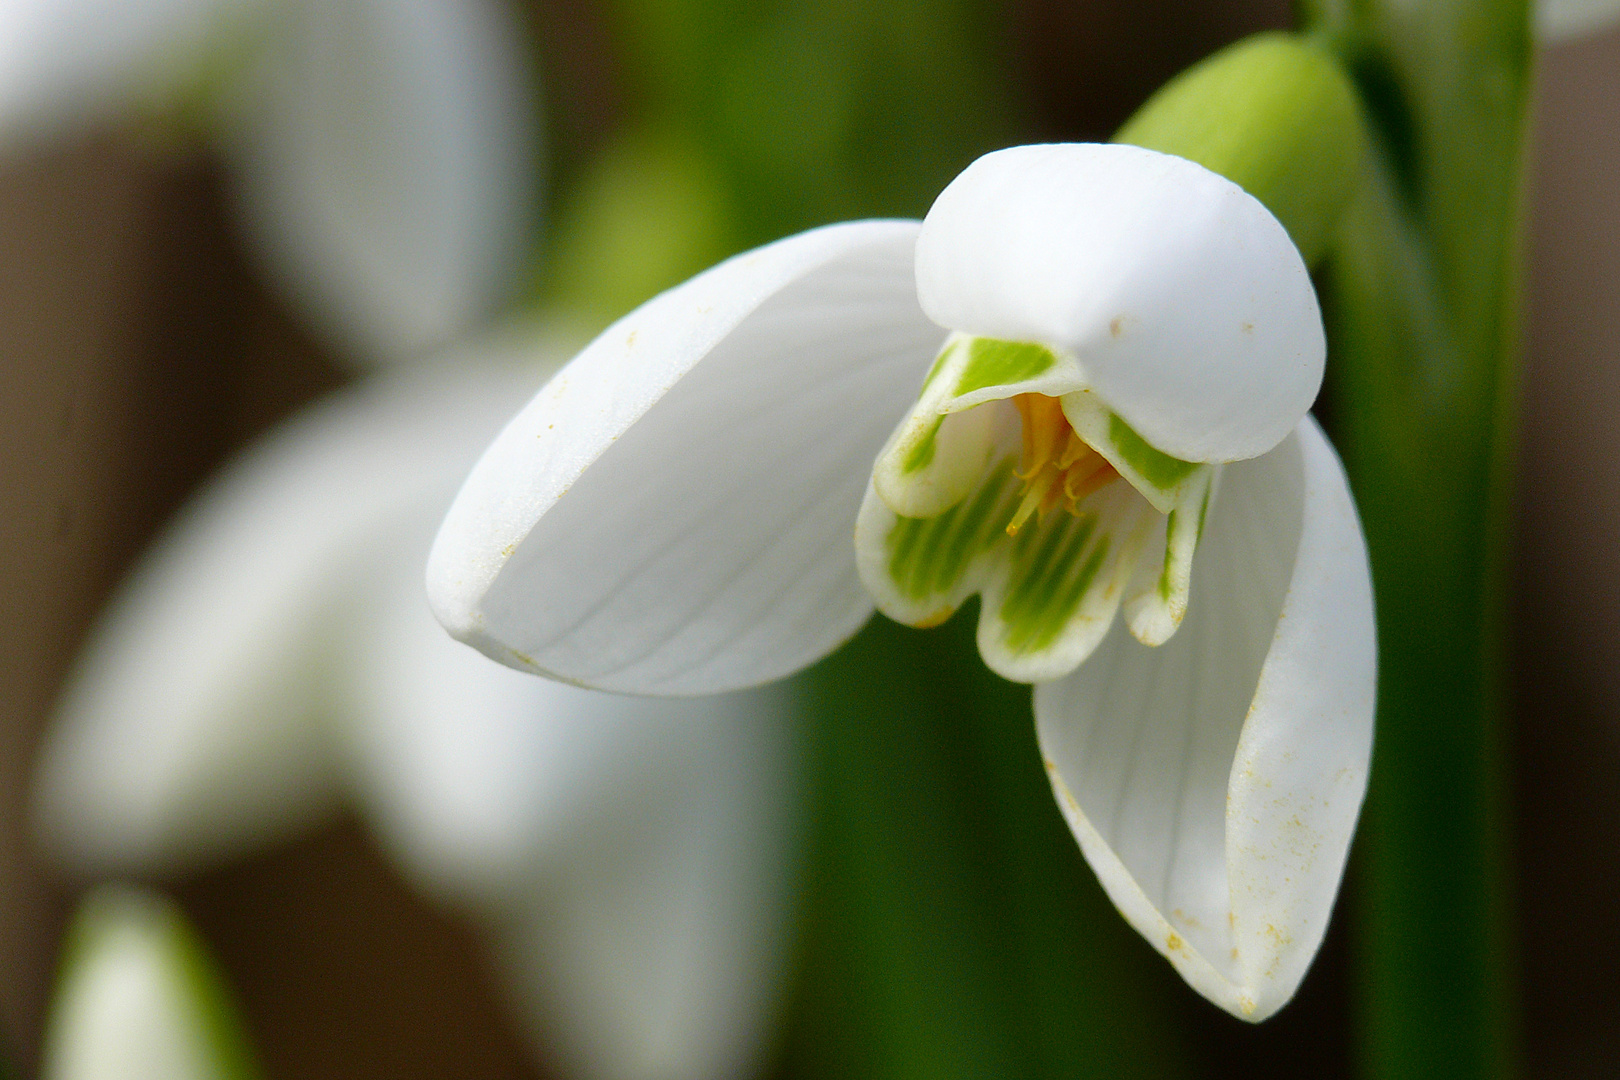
<point>954,931</point>
<point>1422,301</point>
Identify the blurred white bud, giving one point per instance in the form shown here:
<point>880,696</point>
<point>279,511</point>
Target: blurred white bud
<point>138,999</point>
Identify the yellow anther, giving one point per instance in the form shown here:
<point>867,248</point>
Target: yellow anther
<point>1045,431</point>
<point>1075,451</point>
<point>1057,466</point>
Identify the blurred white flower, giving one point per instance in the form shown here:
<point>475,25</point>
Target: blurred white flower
<point>385,149</point>
<point>138,998</point>
<point>1131,345</point>
<point>630,857</point>
<point>1565,20</point>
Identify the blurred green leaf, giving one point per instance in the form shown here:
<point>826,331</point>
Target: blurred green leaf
<point>954,929</point>
<point>1422,296</point>
<point>822,110</point>
<point>649,212</point>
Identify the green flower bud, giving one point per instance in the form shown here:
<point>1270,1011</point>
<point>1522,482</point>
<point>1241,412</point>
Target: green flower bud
<point>1276,115</point>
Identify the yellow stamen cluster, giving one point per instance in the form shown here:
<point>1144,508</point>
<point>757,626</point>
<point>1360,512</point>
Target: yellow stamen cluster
<point>1057,466</point>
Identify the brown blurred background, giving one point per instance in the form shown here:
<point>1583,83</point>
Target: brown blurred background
<point>138,348</point>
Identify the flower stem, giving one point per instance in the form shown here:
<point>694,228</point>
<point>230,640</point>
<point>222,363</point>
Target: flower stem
<point>954,931</point>
<point>1421,296</point>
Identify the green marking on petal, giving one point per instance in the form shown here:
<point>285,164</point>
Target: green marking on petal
<point>1155,466</point>
<point>1169,559</point>
<point>939,361</point>
<point>1000,363</point>
<point>921,454</point>
<point>1157,597</point>
<point>1166,482</point>
<point>1047,585</point>
<point>928,557</point>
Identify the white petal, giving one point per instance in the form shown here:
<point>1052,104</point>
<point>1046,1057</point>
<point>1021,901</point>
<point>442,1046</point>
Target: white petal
<point>672,514</point>
<point>131,1005</point>
<point>387,165</point>
<point>1213,782</point>
<point>1565,20</point>
<point>1156,598</point>
<point>656,950</point>
<point>194,724</point>
<point>63,62</point>
<point>1187,306</point>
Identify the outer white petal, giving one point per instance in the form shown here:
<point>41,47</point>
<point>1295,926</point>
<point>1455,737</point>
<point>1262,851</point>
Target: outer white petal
<point>672,513</point>
<point>1185,302</point>
<point>387,165</point>
<point>1213,782</point>
<point>194,723</point>
<point>63,59</point>
<point>130,1005</point>
<point>655,950</point>
<point>1565,20</point>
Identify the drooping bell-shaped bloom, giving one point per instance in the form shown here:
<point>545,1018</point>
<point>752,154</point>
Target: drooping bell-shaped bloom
<point>138,999</point>
<point>1116,350</point>
<point>628,858</point>
<point>384,149</point>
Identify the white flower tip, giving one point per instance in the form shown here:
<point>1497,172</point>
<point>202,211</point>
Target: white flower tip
<point>138,998</point>
<point>1251,981</point>
<point>1183,299</point>
<point>671,513</point>
<point>1213,782</point>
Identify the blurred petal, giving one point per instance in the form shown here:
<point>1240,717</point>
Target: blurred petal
<point>1183,300</point>
<point>63,60</point>
<point>387,153</point>
<point>672,513</point>
<point>139,1000</point>
<point>479,777</point>
<point>194,724</point>
<point>1213,782</point>
<point>1565,20</point>
<point>655,950</point>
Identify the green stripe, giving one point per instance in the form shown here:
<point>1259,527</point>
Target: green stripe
<point>1155,466</point>
<point>1169,555</point>
<point>1003,363</point>
<point>1045,590</point>
<point>921,454</point>
<point>967,537</point>
<point>939,364</point>
<point>929,556</point>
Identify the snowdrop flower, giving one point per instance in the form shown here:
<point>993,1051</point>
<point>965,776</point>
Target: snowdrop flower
<point>629,858</point>
<point>384,147</point>
<point>1116,418</point>
<point>139,999</point>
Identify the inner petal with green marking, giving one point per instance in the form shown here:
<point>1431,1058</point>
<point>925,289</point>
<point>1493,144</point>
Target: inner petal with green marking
<point>1004,480</point>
